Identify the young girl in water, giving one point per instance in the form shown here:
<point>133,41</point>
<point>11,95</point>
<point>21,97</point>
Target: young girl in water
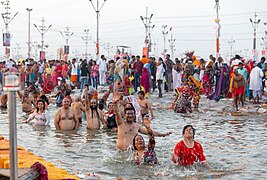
<point>145,154</point>
<point>40,115</point>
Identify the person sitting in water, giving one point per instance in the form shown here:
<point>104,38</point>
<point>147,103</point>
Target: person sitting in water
<point>188,151</point>
<point>144,154</point>
<point>127,129</point>
<point>65,117</point>
<point>93,114</point>
<point>40,115</point>
<point>3,101</point>
<point>78,107</point>
<point>144,104</point>
<point>111,117</point>
<point>26,101</point>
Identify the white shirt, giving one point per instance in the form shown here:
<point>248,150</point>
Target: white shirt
<point>74,68</point>
<point>102,65</point>
<point>256,76</point>
<point>160,72</point>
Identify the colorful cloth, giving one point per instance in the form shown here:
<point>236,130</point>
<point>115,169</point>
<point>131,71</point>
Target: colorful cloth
<point>188,156</point>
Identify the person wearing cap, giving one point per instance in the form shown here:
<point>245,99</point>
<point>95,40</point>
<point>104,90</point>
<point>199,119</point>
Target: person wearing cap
<point>188,151</point>
<point>237,87</point>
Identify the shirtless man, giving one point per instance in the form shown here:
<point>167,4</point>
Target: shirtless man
<point>127,129</point>
<point>237,88</point>
<point>144,105</point>
<point>3,101</point>
<point>93,114</point>
<point>65,117</point>
<point>26,101</point>
<point>78,107</point>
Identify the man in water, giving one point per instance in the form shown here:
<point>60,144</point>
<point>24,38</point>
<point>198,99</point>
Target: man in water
<point>93,114</point>
<point>78,107</point>
<point>26,101</point>
<point>188,151</point>
<point>127,129</point>
<point>237,87</point>
<point>144,104</point>
<point>65,117</point>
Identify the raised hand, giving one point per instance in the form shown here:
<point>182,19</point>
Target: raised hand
<point>116,97</point>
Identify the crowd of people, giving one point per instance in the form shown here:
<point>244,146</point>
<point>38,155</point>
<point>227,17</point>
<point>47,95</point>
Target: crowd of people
<point>187,78</point>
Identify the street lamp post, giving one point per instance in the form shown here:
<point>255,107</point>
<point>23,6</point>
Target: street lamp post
<point>86,39</point>
<point>97,10</point>
<point>165,33</point>
<point>254,26</point>
<point>148,29</point>
<point>42,30</point>
<point>218,28</point>
<point>29,33</point>
<point>231,44</point>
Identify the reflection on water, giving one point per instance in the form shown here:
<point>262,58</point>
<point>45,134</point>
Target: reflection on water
<point>235,147</point>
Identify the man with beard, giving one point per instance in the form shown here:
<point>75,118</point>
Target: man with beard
<point>65,117</point>
<point>93,114</point>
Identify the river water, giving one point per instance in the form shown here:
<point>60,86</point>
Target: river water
<point>235,146</point>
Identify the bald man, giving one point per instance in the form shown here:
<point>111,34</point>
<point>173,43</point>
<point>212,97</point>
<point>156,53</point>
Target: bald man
<point>66,118</point>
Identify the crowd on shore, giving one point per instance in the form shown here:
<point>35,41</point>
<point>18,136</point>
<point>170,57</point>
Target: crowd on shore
<point>127,116</point>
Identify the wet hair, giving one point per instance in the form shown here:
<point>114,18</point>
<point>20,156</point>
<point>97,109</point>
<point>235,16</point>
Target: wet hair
<point>187,126</point>
<point>131,104</point>
<point>43,97</point>
<point>42,101</point>
<point>68,92</point>
<point>134,140</point>
<point>129,109</point>
<point>101,104</point>
<point>142,93</point>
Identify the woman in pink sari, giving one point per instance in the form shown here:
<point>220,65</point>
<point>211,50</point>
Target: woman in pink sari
<point>144,80</point>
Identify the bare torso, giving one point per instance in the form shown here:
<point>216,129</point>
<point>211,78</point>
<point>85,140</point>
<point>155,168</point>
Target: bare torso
<point>93,121</point>
<point>26,103</point>
<point>77,106</point>
<point>126,134</point>
<point>238,81</point>
<point>66,119</point>
<point>143,105</point>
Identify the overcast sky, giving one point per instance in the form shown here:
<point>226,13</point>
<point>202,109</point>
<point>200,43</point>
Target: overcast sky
<point>192,23</point>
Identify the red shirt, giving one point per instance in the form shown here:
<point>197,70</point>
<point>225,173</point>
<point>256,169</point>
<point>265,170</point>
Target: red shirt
<point>188,156</point>
<point>138,66</point>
